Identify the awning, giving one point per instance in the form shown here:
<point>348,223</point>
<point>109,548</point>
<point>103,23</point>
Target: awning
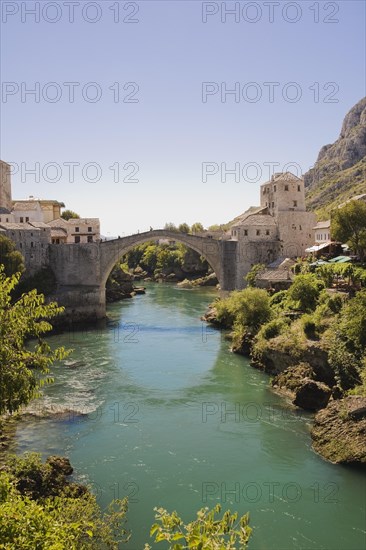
<point>317,247</point>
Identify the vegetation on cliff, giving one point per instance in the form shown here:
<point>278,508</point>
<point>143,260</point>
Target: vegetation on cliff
<point>40,509</point>
<point>340,170</point>
<point>296,322</point>
<point>313,338</point>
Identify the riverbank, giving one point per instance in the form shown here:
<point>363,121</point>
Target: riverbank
<point>171,415</point>
<point>301,372</point>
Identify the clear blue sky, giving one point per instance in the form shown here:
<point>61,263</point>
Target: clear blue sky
<point>169,132</point>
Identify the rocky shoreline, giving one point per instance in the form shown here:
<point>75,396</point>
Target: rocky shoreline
<point>339,430</point>
<point>120,284</point>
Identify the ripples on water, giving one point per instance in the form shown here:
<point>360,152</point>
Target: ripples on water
<point>154,406</point>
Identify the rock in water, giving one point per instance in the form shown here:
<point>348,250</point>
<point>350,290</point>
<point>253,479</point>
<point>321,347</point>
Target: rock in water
<point>339,431</point>
<point>312,395</point>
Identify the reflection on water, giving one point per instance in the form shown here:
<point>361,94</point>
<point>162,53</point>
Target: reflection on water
<point>155,406</point>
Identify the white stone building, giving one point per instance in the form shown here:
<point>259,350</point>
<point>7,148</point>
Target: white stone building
<point>81,230</point>
<point>322,232</point>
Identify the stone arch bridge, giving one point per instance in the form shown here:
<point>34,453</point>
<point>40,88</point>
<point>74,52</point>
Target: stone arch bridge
<point>83,269</point>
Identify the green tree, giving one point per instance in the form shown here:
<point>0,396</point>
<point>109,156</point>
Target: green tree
<point>10,258</point>
<point>304,292</point>
<point>69,215</point>
<point>183,228</point>
<point>207,532</point>
<point>252,274</point>
<point>249,308</point>
<point>21,369</point>
<point>348,225</point>
<point>352,323</point>
<point>197,228</point>
<point>149,259</point>
<point>169,226</point>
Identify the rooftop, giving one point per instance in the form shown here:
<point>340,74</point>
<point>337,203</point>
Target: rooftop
<point>322,225</point>
<point>18,226</point>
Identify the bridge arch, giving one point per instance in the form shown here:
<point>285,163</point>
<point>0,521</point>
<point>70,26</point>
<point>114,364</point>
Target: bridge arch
<point>112,251</point>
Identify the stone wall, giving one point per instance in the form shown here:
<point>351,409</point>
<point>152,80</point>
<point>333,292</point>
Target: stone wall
<point>5,186</point>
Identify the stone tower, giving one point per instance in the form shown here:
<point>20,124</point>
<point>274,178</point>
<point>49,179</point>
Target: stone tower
<point>284,196</point>
<point>5,186</point>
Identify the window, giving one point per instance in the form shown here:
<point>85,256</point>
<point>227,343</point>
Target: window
<point>32,244</point>
<point>20,244</point>
<point>77,229</point>
<point>31,234</point>
<point>298,188</point>
<point>273,205</point>
<point>7,219</point>
<point>90,239</point>
<point>264,190</point>
<point>286,187</point>
<point>21,220</point>
<point>26,219</point>
<point>295,203</point>
<point>267,231</point>
<point>77,239</point>
<point>258,232</point>
<point>245,232</point>
<point>90,229</point>
<point>275,188</point>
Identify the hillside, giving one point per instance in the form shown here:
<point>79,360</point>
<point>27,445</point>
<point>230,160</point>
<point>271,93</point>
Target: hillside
<point>340,170</point>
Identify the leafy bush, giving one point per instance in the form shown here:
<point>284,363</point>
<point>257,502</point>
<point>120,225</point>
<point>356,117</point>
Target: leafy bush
<point>273,328</point>
<point>352,324</point>
<point>249,308</point>
<point>252,274</point>
<point>309,326</point>
<point>304,292</point>
<point>206,532</point>
<point>58,518</point>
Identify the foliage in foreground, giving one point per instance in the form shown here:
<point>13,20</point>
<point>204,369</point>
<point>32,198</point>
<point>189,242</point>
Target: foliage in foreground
<point>21,369</point>
<point>58,515</point>
<point>207,532</point>
<point>40,509</point>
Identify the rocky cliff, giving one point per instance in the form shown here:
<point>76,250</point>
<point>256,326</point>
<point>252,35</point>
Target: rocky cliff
<point>340,170</point>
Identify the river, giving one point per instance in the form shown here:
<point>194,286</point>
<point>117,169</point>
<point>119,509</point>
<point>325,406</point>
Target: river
<point>160,410</point>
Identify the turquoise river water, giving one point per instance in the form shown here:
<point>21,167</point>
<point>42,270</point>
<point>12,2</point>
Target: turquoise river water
<point>160,410</point>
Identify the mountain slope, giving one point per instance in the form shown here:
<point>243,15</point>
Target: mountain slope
<point>340,170</point>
